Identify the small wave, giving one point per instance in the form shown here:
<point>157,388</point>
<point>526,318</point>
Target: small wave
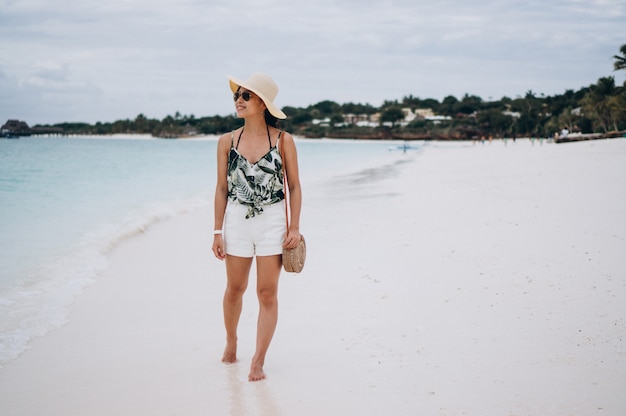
<point>40,304</point>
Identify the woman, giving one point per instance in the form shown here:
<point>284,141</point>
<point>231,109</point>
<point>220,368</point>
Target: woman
<point>250,211</point>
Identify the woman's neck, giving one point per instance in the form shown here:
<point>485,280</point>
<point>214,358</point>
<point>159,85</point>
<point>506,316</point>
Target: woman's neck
<point>255,125</point>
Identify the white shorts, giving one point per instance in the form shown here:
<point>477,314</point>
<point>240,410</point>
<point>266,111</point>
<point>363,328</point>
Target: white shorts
<point>261,235</point>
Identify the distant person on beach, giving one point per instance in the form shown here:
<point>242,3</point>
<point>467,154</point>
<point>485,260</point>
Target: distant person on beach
<point>250,211</point>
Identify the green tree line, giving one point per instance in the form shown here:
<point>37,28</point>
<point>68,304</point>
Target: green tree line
<point>598,108</point>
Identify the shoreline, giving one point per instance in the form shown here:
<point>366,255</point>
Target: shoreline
<point>386,136</point>
<point>34,300</point>
<point>469,279</point>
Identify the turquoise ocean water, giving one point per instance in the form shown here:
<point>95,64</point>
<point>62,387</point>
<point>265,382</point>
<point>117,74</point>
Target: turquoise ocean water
<point>66,202</point>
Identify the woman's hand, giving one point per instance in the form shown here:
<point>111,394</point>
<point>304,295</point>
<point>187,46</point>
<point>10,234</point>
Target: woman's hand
<point>218,247</point>
<point>292,238</point>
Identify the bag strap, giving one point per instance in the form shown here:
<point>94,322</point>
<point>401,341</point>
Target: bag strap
<point>281,149</point>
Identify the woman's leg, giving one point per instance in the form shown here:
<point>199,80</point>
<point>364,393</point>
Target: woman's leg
<point>268,271</point>
<point>237,272</point>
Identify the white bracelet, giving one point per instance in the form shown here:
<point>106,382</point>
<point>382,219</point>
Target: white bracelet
<point>216,232</point>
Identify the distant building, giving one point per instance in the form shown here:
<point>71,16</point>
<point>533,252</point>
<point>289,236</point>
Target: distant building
<point>424,113</point>
<point>15,128</point>
<point>409,115</point>
<point>514,114</point>
<point>360,120</point>
<point>373,120</point>
<point>355,118</point>
<point>322,122</point>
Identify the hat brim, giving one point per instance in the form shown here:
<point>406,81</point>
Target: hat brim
<point>275,111</point>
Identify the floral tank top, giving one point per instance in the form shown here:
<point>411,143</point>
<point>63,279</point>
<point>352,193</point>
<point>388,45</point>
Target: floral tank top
<point>255,184</point>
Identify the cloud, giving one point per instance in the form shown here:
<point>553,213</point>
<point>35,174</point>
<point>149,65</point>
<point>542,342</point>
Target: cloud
<point>101,61</point>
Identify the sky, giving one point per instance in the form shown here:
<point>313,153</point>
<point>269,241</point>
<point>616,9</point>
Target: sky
<point>90,61</point>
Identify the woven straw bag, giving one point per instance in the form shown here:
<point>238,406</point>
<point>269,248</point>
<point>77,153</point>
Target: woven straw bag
<point>293,258</point>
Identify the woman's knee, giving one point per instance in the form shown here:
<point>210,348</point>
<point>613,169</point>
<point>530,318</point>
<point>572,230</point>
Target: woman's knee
<point>235,292</point>
<point>267,295</point>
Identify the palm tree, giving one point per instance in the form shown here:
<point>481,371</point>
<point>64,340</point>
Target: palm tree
<point>620,61</point>
<point>599,104</point>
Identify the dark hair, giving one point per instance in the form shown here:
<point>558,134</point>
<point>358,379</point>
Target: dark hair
<point>270,119</point>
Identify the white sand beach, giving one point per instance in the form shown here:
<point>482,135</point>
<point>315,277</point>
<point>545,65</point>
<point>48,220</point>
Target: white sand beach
<point>469,279</point>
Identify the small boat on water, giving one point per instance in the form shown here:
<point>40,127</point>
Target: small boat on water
<point>405,147</point>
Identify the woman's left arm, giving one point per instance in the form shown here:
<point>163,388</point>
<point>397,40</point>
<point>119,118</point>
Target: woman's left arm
<point>295,191</point>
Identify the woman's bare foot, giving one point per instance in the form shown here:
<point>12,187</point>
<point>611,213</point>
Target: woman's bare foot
<point>230,353</point>
<point>256,373</point>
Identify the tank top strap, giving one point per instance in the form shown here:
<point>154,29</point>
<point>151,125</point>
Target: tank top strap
<point>238,138</point>
<point>280,132</point>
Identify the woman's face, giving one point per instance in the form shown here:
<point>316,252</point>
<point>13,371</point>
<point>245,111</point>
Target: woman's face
<point>247,103</point>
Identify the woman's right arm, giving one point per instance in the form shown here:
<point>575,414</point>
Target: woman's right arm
<point>221,194</point>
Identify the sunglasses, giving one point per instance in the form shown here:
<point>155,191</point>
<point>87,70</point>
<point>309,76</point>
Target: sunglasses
<point>245,95</point>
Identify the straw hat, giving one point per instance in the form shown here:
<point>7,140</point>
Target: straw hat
<point>263,86</point>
